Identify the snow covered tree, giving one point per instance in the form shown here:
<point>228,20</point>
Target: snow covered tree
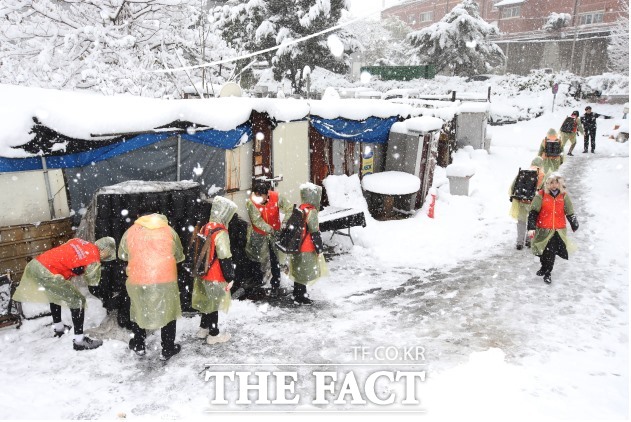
<point>618,48</point>
<point>255,25</point>
<point>383,41</point>
<point>557,21</point>
<point>459,43</point>
<point>110,46</point>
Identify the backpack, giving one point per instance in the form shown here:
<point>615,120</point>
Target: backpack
<point>553,148</point>
<point>525,186</point>
<point>568,125</point>
<point>291,238</point>
<point>202,260</point>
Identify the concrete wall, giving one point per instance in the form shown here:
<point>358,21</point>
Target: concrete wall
<point>584,55</point>
<point>24,198</point>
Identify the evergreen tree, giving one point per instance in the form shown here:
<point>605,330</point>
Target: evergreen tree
<point>618,48</point>
<point>254,25</point>
<point>383,42</point>
<point>111,46</point>
<point>459,44</point>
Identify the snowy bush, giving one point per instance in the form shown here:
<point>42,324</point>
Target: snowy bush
<point>557,21</point>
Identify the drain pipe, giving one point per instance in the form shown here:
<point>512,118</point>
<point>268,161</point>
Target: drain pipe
<point>51,199</point>
<point>179,155</point>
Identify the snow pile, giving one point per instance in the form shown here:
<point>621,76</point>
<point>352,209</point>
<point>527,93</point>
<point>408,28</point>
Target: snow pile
<point>345,192</point>
<point>391,183</point>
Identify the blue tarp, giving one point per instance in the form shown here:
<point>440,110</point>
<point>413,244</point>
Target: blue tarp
<point>215,138</point>
<point>372,130</point>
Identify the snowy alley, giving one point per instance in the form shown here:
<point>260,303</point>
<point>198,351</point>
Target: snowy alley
<point>497,341</point>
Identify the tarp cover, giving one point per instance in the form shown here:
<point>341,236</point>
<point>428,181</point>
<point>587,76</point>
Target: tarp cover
<point>62,152</point>
<point>372,130</point>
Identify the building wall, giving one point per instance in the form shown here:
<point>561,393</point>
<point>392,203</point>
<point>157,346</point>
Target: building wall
<point>25,197</point>
<point>533,13</point>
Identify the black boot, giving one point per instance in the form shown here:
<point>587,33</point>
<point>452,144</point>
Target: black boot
<point>547,278</point>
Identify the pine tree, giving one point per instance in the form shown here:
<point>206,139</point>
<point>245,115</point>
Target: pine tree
<point>459,44</point>
<point>256,25</point>
<point>383,41</point>
<point>618,48</point>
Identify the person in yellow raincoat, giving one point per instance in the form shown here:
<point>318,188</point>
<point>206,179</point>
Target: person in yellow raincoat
<point>546,223</point>
<point>307,266</point>
<point>551,150</point>
<point>214,271</point>
<point>152,250</point>
<point>47,279</point>
<point>521,207</point>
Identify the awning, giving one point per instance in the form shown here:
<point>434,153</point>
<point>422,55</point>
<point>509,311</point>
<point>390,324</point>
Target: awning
<point>82,154</point>
<point>509,3</point>
<point>372,130</point>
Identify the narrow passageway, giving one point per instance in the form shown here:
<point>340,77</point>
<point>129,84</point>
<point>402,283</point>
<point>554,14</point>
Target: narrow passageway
<point>500,302</point>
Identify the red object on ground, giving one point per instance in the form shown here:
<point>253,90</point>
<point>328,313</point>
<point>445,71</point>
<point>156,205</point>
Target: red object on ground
<point>430,211</point>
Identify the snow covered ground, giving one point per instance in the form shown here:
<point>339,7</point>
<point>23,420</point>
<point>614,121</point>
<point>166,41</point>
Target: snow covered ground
<point>497,342</point>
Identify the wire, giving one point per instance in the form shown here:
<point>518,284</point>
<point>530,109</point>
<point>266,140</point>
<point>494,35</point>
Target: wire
<point>267,50</point>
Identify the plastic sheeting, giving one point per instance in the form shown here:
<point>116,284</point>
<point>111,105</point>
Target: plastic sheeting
<point>88,155</point>
<point>372,130</point>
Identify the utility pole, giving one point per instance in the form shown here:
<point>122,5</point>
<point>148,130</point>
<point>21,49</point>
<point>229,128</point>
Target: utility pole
<point>575,26</point>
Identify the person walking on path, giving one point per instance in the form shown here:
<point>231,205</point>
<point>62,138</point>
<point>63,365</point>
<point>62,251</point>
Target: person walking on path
<point>47,279</point>
<point>588,121</point>
<point>551,151</point>
<point>546,223</point>
<point>521,207</point>
<point>307,266</point>
<point>214,271</point>
<point>264,207</point>
<point>152,250</point>
<point>569,129</point>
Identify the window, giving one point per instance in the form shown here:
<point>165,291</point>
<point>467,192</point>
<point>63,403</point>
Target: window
<point>427,16</point>
<point>411,19</point>
<point>589,18</point>
<point>511,12</point>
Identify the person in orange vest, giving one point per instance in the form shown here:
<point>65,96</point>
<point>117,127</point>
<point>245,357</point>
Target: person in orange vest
<point>546,223</point>
<point>47,279</point>
<point>307,266</point>
<point>214,271</point>
<point>521,207</point>
<point>264,207</point>
<point>152,250</point>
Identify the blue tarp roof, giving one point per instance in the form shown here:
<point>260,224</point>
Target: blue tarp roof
<point>215,138</point>
<point>372,130</point>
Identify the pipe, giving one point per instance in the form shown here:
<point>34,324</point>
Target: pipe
<point>49,192</point>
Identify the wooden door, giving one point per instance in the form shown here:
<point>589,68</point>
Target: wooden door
<point>262,146</point>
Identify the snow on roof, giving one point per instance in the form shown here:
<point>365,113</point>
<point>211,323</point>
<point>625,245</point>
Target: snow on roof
<point>508,2</point>
<point>421,124</point>
<point>135,186</point>
<point>81,114</point>
<point>391,183</point>
<point>471,107</point>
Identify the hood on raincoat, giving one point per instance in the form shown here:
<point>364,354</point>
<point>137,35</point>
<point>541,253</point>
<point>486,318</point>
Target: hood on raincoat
<point>222,210</point>
<point>107,247</point>
<point>152,221</point>
<point>537,162</point>
<point>311,194</point>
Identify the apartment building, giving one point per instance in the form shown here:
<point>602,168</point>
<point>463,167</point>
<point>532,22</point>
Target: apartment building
<point>580,47</point>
